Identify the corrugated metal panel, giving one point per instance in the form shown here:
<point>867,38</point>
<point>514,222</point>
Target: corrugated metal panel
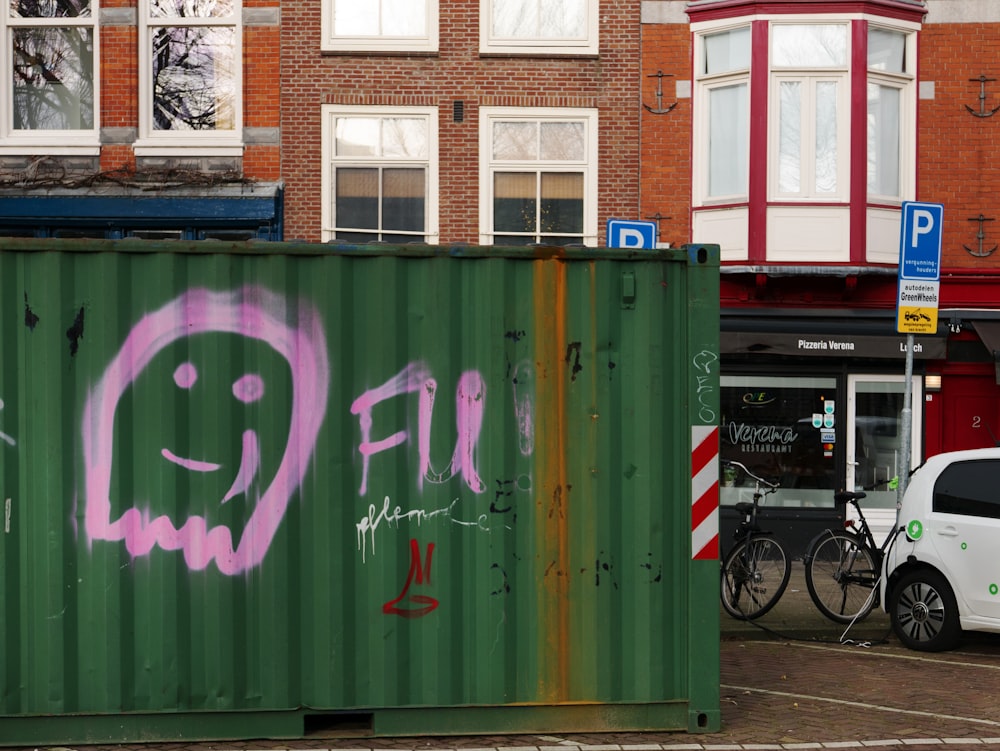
<point>343,487</point>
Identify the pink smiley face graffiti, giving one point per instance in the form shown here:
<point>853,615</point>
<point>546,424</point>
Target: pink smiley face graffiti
<point>247,389</point>
<point>297,336</point>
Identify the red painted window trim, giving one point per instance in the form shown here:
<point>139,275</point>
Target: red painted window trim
<point>757,176</point>
<point>859,141</point>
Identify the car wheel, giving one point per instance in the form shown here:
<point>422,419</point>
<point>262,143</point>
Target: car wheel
<point>924,612</point>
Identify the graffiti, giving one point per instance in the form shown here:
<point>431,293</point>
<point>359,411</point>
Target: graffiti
<point>504,588</point>
<point>523,385</point>
<point>470,403</point>
<point>369,524</point>
<point>420,574</point>
<point>505,489</point>
<point>392,517</point>
<point>254,314</point>
<point>704,364</point>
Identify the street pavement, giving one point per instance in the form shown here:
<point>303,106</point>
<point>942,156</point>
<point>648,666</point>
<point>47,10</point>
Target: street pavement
<point>791,681</point>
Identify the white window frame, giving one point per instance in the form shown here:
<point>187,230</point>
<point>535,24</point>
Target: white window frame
<point>84,141</point>
<point>329,114</point>
<point>906,83</point>
<point>807,183</point>
<point>427,42</point>
<point>705,83</point>
<point>153,142</point>
<point>488,167</point>
<point>810,77</point>
<point>586,44</point>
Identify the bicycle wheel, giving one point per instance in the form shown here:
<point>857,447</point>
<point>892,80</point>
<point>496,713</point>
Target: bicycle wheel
<point>754,576</point>
<point>841,575</point>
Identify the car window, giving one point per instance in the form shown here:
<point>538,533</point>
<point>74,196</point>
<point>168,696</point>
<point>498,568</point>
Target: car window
<point>969,488</point>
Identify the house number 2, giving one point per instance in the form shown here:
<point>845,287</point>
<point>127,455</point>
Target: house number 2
<point>976,419</point>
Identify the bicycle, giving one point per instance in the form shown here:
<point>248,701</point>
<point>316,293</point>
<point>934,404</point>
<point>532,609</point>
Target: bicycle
<point>755,571</point>
<point>843,568</point>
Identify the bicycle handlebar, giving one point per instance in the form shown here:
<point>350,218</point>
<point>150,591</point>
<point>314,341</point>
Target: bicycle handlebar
<point>767,483</point>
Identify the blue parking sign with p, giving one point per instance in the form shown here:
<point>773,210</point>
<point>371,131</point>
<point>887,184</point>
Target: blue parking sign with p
<point>920,241</point>
<point>628,234</point>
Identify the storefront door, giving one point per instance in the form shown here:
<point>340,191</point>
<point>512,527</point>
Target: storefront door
<point>874,438</point>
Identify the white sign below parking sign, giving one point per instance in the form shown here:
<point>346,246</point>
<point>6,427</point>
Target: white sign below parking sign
<point>919,268</point>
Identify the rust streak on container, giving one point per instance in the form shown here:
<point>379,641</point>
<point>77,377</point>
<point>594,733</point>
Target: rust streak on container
<point>551,502</point>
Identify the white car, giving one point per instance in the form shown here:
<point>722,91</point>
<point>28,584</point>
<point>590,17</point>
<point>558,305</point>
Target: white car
<point>942,574</point>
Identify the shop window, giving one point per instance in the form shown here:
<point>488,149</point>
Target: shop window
<point>783,429</point>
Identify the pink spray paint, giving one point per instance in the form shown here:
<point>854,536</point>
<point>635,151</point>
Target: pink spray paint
<point>251,312</point>
<point>470,404</point>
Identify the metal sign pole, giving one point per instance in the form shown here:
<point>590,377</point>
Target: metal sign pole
<point>906,420</point>
<point>918,290</point>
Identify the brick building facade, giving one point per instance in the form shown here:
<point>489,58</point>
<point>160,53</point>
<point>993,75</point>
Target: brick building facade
<point>884,102</point>
<point>457,75</point>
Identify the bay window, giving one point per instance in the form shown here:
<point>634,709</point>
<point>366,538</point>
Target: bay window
<point>809,98</point>
<point>890,86</point>
<point>804,131</point>
<point>724,75</point>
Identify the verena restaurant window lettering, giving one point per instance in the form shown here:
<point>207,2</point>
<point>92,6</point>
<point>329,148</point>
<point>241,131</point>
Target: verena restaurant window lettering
<point>538,26</point>
<point>784,429</point>
<point>51,49</point>
<point>191,83</point>
<point>380,25</point>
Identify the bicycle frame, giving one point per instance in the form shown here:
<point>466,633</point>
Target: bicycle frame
<point>748,567</point>
<point>865,532</point>
<point>749,509</point>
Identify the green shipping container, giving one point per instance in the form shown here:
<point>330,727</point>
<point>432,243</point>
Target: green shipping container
<point>274,490</point>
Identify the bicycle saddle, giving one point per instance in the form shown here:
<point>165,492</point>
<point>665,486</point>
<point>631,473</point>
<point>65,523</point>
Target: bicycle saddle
<point>847,496</point>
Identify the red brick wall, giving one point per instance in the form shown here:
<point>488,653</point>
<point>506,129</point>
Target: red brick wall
<point>665,185</point>
<point>119,86</point>
<point>959,154</point>
<point>119,74</point>
<point>457,72</point>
